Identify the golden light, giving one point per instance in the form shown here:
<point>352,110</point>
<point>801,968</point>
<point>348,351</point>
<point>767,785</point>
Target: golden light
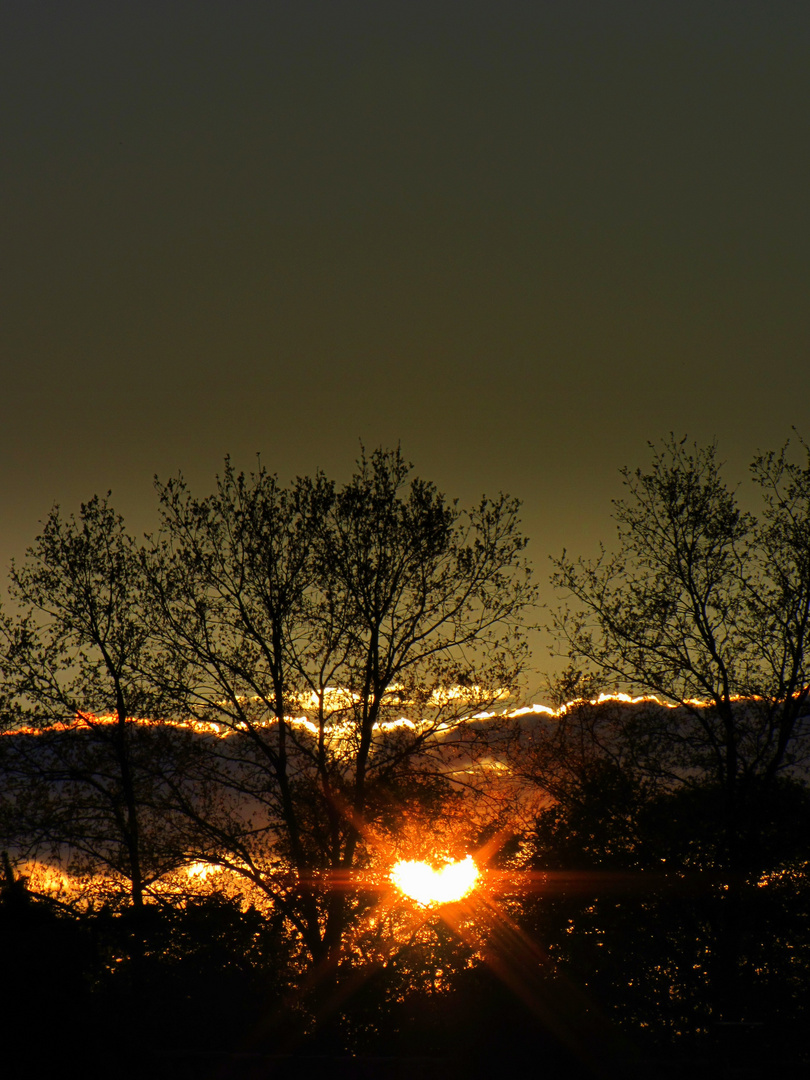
<point>427,886</point>
<point>200,871</point>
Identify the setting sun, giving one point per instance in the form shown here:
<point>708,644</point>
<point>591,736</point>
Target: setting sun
<point>427,886</point>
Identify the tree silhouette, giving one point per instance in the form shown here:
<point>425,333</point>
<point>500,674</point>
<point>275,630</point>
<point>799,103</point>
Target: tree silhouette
<point>707,606</point>
<point>74,656</point>
<point>347,607</point>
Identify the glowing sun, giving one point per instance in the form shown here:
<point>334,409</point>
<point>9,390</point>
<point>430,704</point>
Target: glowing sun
<point>427,886</point>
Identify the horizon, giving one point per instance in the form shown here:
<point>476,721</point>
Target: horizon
<point>519,240</point>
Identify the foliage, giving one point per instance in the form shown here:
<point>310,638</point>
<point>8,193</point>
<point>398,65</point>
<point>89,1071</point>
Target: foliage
<point>349,606</point>
<point>707,606</point>
<point>74,656</point>
<point>314,661</point>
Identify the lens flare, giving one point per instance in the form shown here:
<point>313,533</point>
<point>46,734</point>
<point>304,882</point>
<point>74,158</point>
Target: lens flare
<point>420,882</point>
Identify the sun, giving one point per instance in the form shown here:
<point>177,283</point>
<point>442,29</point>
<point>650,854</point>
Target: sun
<point>421,882</point>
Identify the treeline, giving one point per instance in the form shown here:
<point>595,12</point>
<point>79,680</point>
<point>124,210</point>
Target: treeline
<point>248,609</point>
<point>311,660</point>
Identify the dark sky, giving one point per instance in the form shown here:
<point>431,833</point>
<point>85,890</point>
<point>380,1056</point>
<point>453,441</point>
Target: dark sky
<point>522,238</point>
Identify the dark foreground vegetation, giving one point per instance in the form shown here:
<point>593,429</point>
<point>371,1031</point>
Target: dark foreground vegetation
<point>645,906</point>
<point>588,973</point>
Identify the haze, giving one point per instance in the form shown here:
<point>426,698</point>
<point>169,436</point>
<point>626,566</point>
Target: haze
<point>519,238</point>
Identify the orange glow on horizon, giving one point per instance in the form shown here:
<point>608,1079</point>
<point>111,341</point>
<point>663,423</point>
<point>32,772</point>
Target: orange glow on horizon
<point>421,882</point>
<point>222,728</point>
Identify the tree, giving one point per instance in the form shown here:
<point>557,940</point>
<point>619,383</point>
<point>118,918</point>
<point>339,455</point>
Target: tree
<point>665,938</point>
<point>74,657</point>
<point>707,606</point>
<point>702,604</point>
<point>586,760</point>
<point>342,608</point>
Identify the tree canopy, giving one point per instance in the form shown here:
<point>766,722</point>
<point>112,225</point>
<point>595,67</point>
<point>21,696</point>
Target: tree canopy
<point>232,729</point>
<point>707,605</point>
<point>322,641</point>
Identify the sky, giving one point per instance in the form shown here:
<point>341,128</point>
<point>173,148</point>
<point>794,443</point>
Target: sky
<point>520,239</point>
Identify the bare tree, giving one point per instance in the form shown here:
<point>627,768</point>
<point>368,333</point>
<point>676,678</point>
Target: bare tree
<point>305,621</point>
<point>74,657</point>
<point>705,605</point>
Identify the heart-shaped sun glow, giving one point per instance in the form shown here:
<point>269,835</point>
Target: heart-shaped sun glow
<point>427,886</point>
